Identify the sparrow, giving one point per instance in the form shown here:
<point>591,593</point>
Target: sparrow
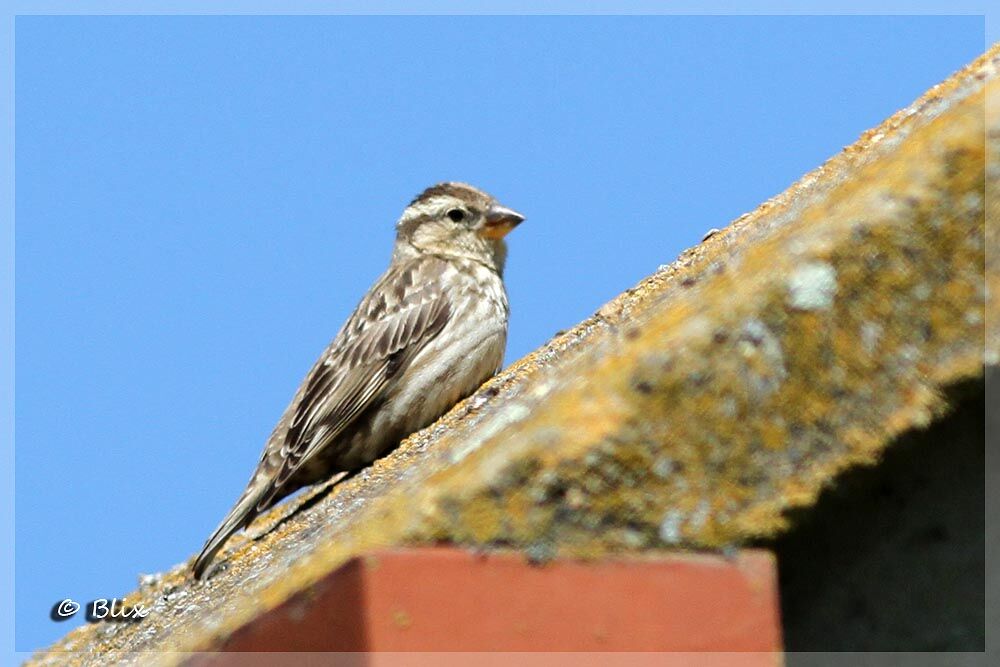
<point>427,334</point>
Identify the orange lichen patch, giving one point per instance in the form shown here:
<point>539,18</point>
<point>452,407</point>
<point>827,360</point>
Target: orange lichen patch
<point>694,410</point>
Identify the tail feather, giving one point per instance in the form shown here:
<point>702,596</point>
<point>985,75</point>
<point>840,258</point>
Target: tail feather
<point>242,514</point>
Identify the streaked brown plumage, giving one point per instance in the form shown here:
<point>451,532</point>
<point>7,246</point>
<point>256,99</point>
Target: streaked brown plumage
<point>427,334</point>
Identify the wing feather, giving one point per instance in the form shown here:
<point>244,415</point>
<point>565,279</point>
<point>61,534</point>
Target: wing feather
<point>406,310</point>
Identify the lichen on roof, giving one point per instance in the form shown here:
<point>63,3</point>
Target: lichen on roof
<point>694,410</point>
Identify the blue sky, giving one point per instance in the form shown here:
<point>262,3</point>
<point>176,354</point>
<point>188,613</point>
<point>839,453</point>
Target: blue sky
<point>200,201</point>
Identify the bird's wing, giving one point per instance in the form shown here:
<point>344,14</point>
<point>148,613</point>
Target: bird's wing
<point>405,310</point>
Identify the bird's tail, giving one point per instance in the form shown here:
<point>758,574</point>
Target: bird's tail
<point>243,513</point>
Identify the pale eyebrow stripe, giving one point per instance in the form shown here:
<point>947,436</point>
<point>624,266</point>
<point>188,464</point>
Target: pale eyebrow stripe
<point>425,207</point>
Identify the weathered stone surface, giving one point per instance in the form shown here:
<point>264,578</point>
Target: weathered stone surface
<point>695,409</point>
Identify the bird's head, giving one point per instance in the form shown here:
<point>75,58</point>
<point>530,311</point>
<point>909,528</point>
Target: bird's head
<point>457,220</point>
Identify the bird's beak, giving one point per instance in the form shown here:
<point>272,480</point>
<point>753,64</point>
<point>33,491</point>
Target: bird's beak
<point>499,221</point>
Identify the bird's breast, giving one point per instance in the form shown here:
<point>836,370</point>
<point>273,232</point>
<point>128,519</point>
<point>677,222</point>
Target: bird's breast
<point>468,351</point>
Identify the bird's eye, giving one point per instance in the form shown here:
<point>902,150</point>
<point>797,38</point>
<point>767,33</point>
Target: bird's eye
<point>456,215</point>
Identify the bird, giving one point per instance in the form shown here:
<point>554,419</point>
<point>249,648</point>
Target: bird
<point>426,335</point>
